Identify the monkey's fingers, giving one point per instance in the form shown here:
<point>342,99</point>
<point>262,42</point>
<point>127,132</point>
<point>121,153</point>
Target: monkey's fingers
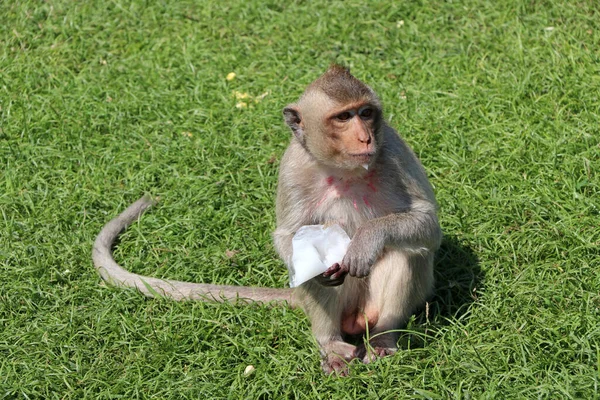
<point>332,270</point>
<point>356,266</point>
<point>329,281</point>
<point>340,273</point>
<point>336,274</point>
<point>334,282</point>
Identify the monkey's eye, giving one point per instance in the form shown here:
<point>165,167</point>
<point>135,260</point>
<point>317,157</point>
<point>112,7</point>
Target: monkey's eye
<point>366,113</point>
<point>345,116</point>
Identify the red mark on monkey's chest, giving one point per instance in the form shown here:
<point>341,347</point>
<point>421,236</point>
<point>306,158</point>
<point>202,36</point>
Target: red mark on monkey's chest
<point>358,190</point>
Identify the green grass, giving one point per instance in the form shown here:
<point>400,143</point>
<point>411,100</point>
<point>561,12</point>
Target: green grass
<point>103,101</point>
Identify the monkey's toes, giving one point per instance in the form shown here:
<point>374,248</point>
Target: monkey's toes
<point>368,355</point>
<point>378,352</point>
<point>334,364</point>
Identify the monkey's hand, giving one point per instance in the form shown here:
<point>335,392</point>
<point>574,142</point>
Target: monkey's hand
<point>334,276</point>
<point>364,250</point>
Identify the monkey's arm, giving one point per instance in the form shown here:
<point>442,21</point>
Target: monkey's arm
<point>414,230</point>
<point>282,240</point>
<point>291,206</point>
<point>292,214</point>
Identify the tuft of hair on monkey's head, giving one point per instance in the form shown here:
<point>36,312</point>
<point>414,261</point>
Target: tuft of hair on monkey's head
<point>342,87</point>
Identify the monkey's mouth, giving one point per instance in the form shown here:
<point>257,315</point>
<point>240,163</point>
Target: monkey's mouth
<point>363,158</point>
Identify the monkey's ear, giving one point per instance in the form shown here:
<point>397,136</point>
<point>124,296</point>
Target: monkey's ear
<point>293,119</point>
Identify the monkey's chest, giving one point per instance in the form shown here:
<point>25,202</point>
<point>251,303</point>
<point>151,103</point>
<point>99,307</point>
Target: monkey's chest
<point>350,202</point>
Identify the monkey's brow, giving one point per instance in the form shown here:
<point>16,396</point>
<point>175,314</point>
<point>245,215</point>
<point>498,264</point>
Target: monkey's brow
<point>349,107</point>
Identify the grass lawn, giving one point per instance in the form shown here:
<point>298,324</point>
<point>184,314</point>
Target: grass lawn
<point>103,101</point>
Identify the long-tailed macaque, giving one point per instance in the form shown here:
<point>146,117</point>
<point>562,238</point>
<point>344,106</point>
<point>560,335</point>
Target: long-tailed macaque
<point>344,165</point>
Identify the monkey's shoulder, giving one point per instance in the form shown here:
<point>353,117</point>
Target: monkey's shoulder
<point>403,168</point>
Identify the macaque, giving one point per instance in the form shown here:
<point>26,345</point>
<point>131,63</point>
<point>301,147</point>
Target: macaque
<point>344,165</point>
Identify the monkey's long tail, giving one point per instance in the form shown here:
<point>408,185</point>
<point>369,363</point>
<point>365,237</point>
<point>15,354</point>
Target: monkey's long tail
<point>116,275</point>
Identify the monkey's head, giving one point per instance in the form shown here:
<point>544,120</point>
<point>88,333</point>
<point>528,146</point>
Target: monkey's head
<point>337,120</point>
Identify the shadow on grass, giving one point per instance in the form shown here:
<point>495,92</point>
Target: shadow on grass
<point>458,281</point>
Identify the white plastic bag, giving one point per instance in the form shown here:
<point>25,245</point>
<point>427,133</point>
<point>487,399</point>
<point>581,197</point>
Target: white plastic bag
<point>315,249</point>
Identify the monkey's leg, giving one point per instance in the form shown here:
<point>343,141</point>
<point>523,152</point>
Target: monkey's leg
<point>324,306</point>
<point>399,283</point>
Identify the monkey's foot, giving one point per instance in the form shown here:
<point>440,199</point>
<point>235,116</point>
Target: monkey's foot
<point>332,363</point>
<point>378,352</point>
<point>337,355</point>
<point>378,348</point>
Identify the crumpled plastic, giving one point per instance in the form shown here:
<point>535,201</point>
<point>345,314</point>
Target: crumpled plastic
<point>315,248</point>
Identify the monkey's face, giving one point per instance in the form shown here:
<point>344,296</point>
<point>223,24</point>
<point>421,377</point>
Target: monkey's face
<point>338,122</point>
<point>350,133</point>
<point>344,136</point>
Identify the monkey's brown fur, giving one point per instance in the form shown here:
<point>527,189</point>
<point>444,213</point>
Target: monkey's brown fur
<point>344,165</point>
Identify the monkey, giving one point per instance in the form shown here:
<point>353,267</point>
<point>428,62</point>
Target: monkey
<point>344,165</point>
